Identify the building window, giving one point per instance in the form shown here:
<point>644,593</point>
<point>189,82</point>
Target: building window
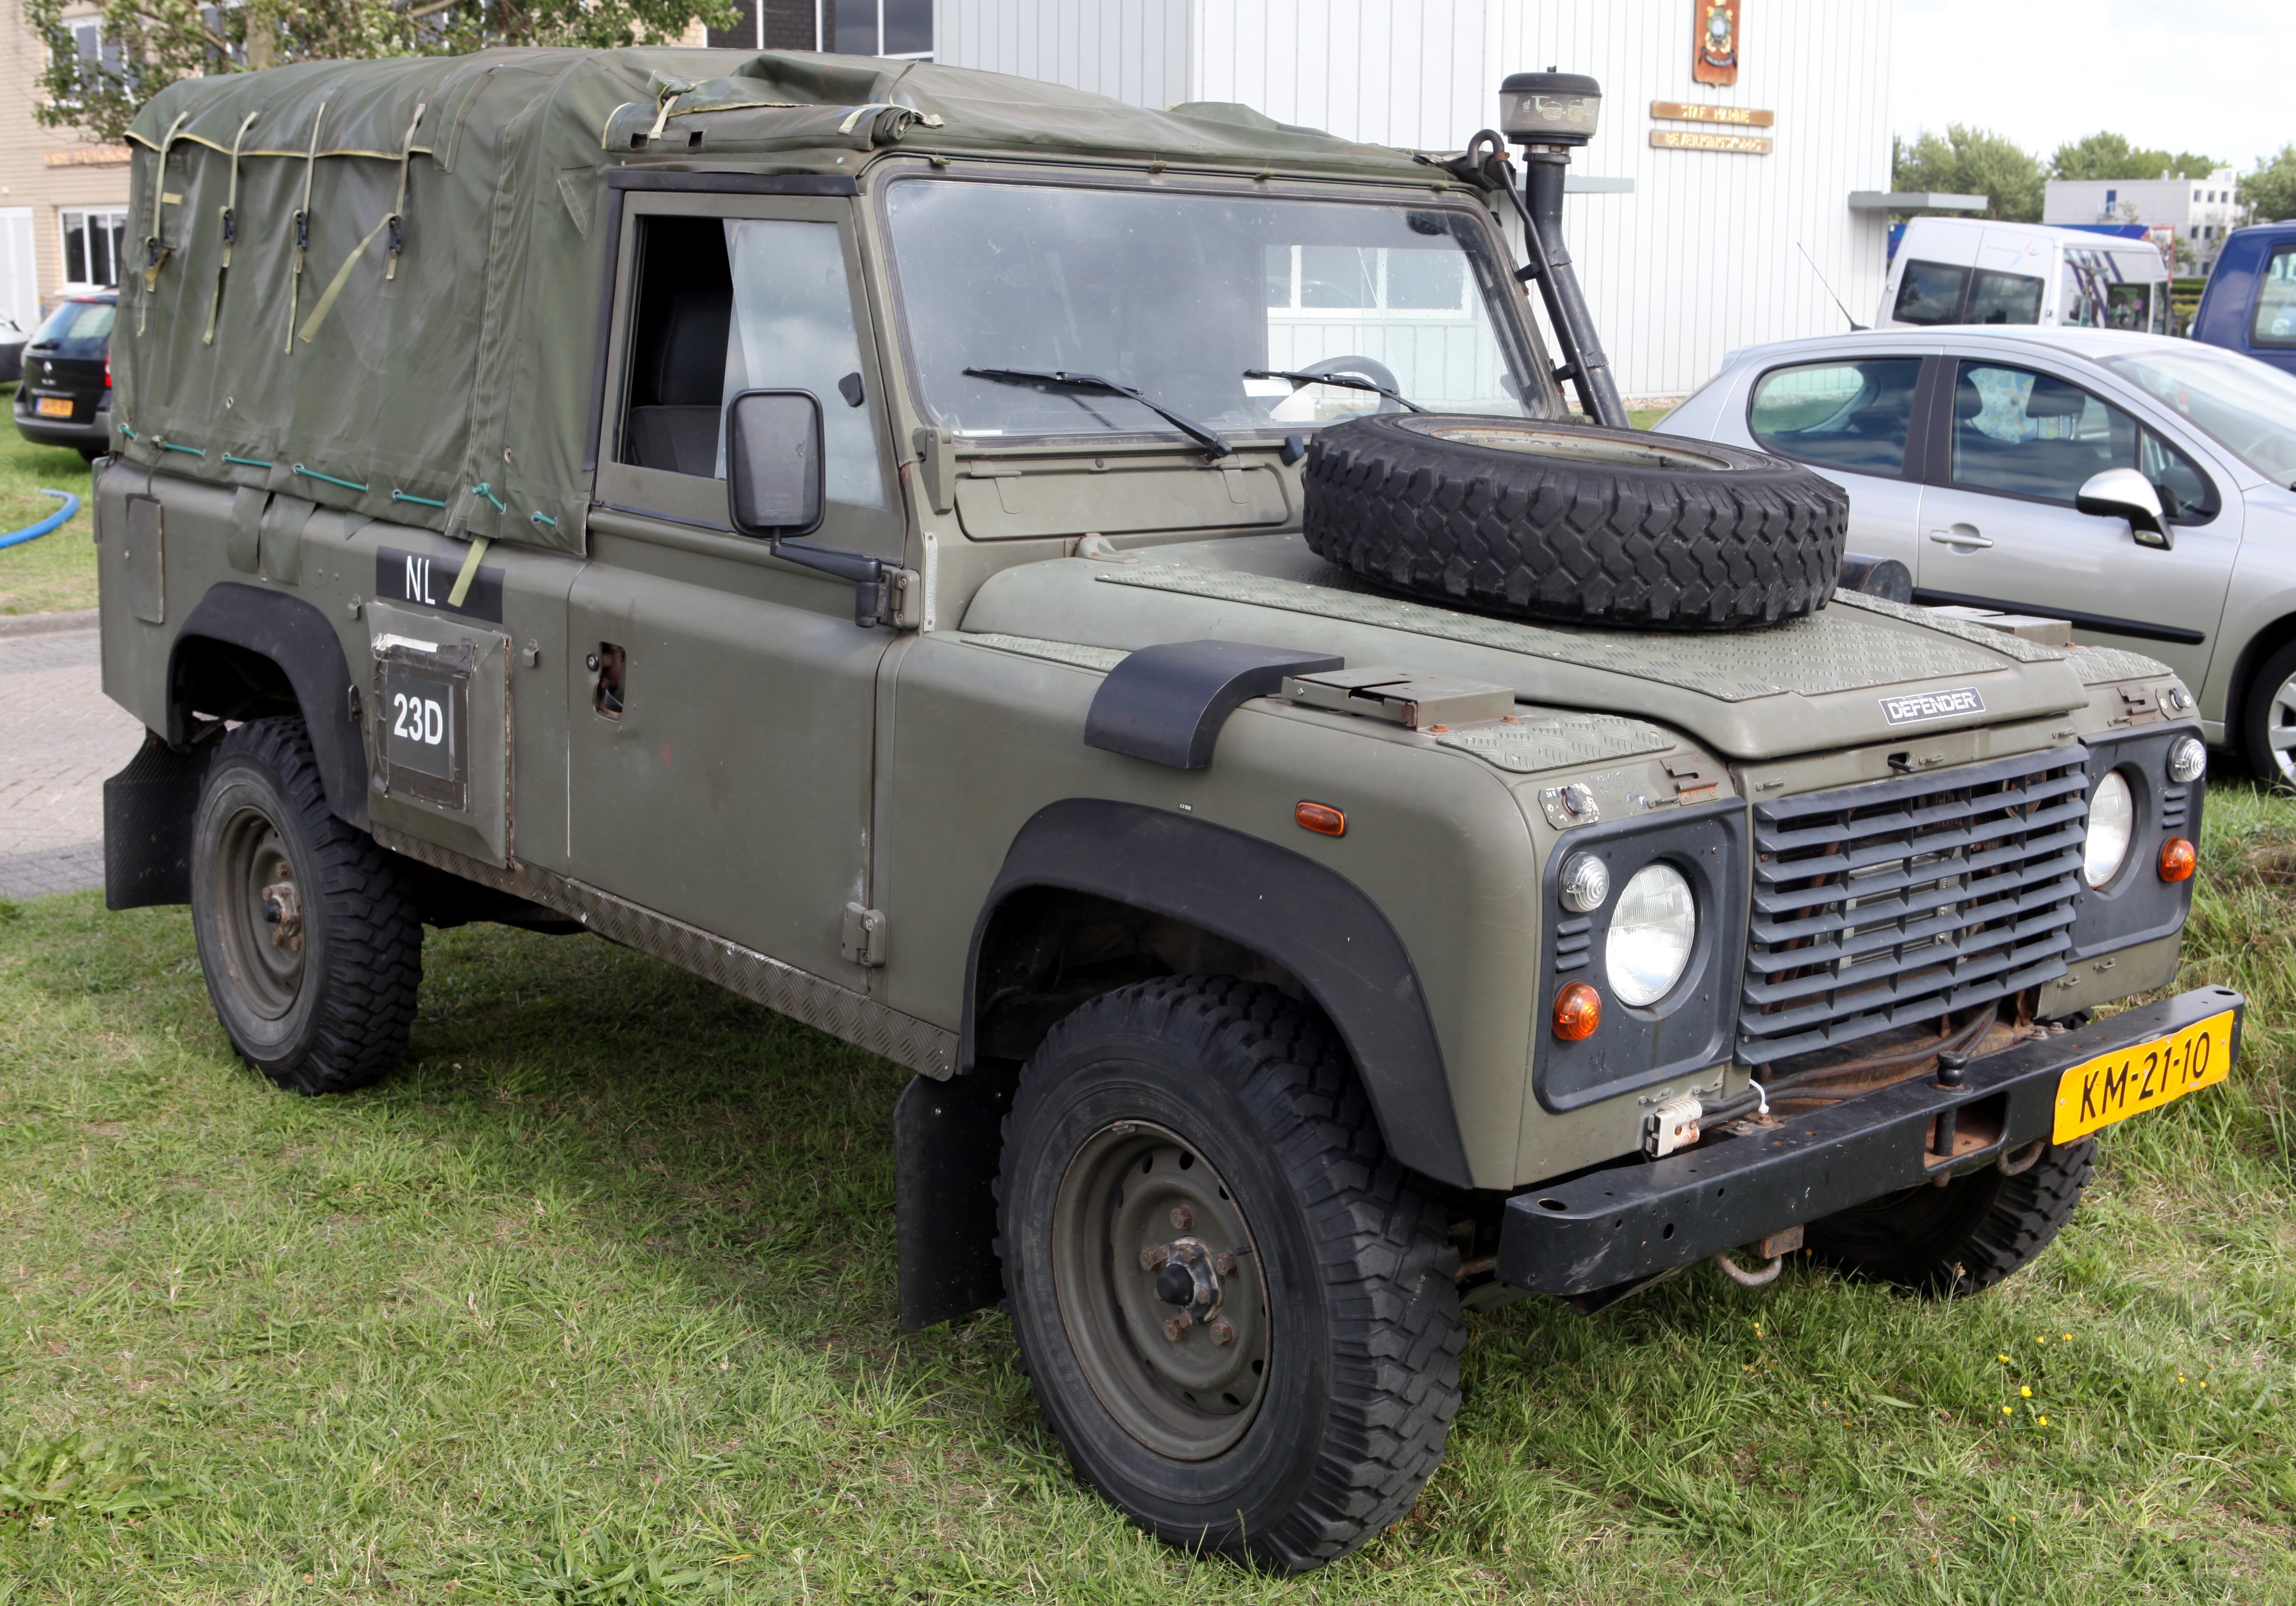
<point>852,27</point>
<point>92,241</point>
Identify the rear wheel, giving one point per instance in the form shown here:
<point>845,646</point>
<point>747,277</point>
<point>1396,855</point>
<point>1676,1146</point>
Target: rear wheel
<point>2267,728</point>
<point>1240,1320</point>
<point>1965,1236</point>
<point>307,929</point>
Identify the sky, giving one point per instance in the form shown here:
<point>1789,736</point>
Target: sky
<point>2205,76</point>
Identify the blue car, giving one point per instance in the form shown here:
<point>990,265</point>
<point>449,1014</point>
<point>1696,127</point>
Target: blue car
<point>2249,305</point>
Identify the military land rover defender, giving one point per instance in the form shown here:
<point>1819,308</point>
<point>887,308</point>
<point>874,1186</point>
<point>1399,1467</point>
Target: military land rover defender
<point>1109,610</point>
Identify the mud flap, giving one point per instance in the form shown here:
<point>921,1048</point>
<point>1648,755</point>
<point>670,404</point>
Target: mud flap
<point>147,826</point>
<point>948,1137</point>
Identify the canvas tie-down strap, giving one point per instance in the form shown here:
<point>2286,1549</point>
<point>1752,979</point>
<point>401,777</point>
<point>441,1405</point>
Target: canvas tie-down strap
<point>393,221</point>
<point>302,225</point>
<point>230,227</point>
<point>154,252</point>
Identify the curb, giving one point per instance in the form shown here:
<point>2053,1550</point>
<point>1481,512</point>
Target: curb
<point>47,624</point>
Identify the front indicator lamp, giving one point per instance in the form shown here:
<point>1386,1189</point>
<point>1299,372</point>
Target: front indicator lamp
<point>2177,860</point>
<point>1578,1011</point>
<point>2111,822</point>
<point>1651,932</point>
<point>2188,761</point>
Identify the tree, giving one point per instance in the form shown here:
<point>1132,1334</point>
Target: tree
<point>2104,155</point>
<point>1971,161</point>
<point>2271,189</point>
<point>147,45</point>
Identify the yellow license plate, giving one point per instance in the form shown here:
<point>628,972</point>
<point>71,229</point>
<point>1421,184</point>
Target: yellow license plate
<point>52,407</point>
<point>2128,1081</point>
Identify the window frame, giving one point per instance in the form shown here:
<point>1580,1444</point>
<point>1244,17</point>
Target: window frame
<point>1909,463</point>
<point>86,214</point>
<point>2283,250</point>
<point>1937,456</point>
<point>695,500</point>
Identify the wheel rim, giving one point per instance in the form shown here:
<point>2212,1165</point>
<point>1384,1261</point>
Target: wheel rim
<point>2280,730</point>
<point>1161,1290</point>
<point>258,913</point>
<point>1571,444</point>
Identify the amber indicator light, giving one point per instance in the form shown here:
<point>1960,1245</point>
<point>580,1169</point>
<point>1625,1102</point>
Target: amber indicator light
<point>1322,819</point>
<point>1578,1011</point>
<point>2177,860</point>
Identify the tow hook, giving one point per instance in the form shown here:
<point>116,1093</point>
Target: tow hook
<point>1773,1251</point>
<point>1188,1273</point>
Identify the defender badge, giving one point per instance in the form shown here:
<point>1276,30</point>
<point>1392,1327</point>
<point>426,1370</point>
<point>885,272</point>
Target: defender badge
<point>1932,705</point>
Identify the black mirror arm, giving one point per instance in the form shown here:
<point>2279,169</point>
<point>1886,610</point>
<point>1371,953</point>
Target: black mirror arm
<point>866,573</point>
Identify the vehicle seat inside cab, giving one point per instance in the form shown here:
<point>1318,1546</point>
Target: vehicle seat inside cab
<point>677,358</point>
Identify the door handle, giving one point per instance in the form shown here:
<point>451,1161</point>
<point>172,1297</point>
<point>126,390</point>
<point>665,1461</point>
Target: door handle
<point>1960,535</point>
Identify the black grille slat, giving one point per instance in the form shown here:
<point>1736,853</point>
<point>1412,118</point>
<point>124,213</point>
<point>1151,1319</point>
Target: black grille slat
<point>1898,901</point>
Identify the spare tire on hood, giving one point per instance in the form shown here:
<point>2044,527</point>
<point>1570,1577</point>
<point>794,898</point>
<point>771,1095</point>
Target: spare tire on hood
<point>1566,521</point>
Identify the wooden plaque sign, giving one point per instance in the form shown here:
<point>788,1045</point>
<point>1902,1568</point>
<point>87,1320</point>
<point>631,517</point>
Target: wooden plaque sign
<point>1744,115</point>
<point>1691,139</point>
<point>1715,55</point>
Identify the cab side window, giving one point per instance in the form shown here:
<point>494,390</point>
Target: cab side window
<point>2275,326</point>
<point>2004,298</point>
<point>2028,434</point>
<point>1845,415</point>
<point>1929,293</point>
<point>677,346</point>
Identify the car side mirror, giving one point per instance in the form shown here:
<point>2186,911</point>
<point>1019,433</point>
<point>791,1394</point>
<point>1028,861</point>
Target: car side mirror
<point>2126,494</point>
<point>772,463</point>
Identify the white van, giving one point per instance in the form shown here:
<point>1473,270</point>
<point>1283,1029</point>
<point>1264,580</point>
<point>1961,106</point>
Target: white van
<point>1958,270</point>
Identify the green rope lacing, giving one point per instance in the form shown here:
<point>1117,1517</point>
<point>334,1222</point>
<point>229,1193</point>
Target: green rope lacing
<point>485,489</point>
<point>349,484</point>
<point>425,501</point>
<point>170,446</point>
<point>544,519</point>
<point>248,463</point>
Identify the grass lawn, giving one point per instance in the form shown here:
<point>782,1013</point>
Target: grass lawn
<point>594,1301</point>
<point>58,570</point>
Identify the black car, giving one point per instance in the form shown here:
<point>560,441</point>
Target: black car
<point>65,396</point>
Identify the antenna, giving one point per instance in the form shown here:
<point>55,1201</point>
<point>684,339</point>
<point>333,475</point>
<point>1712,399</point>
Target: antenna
<point>1814,267</point>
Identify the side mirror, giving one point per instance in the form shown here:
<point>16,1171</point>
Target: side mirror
<point>2126,494</point>
<point>772,463</point>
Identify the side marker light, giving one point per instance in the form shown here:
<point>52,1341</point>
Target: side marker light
<point>1578,1011</point>
<point>2177,860</point>
<point>1321,818</point>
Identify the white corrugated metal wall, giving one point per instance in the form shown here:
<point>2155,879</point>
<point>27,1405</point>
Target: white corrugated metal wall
<point>1705,255</point>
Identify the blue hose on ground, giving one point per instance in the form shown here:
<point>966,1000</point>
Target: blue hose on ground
<point>33,532</point>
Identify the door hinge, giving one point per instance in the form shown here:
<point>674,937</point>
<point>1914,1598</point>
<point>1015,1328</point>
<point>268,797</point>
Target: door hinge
<point>863,942</point>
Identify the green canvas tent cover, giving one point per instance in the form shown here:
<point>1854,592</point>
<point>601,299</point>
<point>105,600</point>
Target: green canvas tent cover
<point>375,285</point>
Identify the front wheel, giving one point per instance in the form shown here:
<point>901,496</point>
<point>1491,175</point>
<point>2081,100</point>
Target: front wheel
<point>1240,1320</point>
<point>2268,725</point>
<point>306,932</point>
<point>1964,1237</point>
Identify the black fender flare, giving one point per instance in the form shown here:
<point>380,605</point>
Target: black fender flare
<point>295,635</point>
<point>1304,916</point>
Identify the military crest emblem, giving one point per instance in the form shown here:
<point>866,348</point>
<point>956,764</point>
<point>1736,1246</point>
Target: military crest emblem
<point>1715,57</point>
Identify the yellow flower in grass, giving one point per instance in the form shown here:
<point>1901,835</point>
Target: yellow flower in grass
<point>2045,1421</point>
<point>2026,1390</point>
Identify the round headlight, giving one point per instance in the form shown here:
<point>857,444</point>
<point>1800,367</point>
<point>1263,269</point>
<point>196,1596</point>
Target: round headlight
<point>1651,931</point>
<point>2111,822</point>
<point>1585,883</point>
<point>2188,760</point>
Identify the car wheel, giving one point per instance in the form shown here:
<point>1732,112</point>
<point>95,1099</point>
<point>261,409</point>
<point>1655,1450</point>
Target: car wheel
<point>307,929</point>
<point>1241,1321</point>
<point>2268,732</point>
<point>1965,1236</point>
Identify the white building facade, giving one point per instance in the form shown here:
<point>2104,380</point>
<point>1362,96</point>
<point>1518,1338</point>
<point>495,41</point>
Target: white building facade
<point>2200,210</point>
<point>1698,225</point>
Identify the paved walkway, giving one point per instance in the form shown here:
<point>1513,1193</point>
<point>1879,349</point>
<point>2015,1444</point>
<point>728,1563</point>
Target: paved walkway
<point>60,736</point>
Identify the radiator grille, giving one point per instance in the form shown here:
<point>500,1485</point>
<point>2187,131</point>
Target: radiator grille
<point>1892,902</point>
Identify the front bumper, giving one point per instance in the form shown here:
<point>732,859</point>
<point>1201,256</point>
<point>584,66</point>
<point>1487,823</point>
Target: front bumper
<point>1609,1228</point>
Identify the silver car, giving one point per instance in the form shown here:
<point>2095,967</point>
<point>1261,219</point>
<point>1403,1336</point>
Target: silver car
<point>2135,485</point>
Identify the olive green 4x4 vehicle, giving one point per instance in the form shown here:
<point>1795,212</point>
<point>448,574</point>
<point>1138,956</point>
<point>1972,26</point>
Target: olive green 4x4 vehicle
<point>1107,609</point>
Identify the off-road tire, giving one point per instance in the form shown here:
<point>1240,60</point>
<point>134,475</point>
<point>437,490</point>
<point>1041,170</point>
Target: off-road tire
<point>1962,1238</point>
<point>1574,523</point>
<point>333,1015</point>
<point>1362,1327</point>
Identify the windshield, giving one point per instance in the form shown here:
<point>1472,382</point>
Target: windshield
<point>1176,295</point>
<point>79,329</point>
<point>2246,406</point>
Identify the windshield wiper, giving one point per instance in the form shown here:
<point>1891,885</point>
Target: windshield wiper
<point>1346,381</point>
<point>1211,440</point>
